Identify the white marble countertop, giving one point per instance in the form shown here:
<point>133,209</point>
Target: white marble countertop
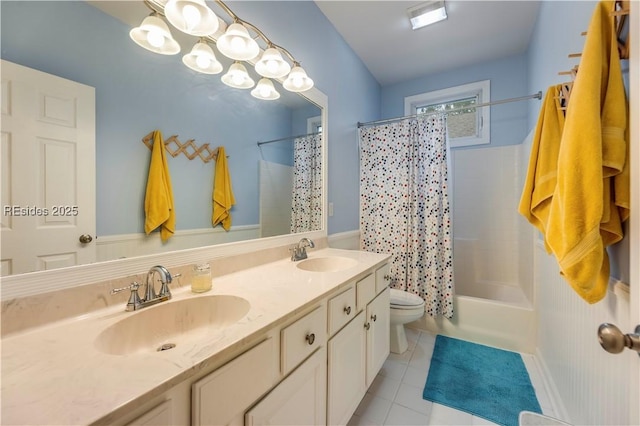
<point>55,374</point>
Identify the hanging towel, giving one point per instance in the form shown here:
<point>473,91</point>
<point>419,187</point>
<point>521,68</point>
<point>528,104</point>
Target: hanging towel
<point>542,172</point>
<point>158,200</point>
<point>222,192</point>
<point>593,150</point>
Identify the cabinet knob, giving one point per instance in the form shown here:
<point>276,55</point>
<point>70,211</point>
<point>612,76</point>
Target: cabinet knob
<point>347,310</point>
<point>311,337</point>
<point>367,325</point>
<point>387,277</point>
<point>374,317</point>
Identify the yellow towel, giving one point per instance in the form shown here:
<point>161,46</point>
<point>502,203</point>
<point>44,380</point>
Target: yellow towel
<point>222,192</point>
<point>592,151</point>
<point>542,172</point>
<point>158,200</point>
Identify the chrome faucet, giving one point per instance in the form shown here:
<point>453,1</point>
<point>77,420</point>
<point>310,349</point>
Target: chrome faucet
<point>298,251</point>
<point>150,295</point>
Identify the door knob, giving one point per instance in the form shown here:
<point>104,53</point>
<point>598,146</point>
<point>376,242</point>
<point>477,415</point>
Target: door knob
<point>85,238</point>
<point>614,341</point>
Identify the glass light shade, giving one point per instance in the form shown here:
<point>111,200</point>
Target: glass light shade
<point>202,59</point>
<point>238,77</point>
<point>271,64</point>
<point>154,35</point>
<point>192,17</point>
<point>265,90</point>
<point>236,43</point>
<point>297,81</point>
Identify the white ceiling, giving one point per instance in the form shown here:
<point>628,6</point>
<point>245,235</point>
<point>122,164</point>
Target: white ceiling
<point>476,31</point>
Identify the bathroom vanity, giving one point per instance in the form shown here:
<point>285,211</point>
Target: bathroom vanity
<point>278,343</point>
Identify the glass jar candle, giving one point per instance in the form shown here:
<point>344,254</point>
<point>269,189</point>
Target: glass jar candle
<point>201,278</point>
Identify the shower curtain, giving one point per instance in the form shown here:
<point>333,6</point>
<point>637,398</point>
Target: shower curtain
<point>404,206</point>
<point>306,204</point>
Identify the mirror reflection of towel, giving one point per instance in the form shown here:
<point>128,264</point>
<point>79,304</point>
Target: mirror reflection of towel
<point>158,200</point>
<point>223,198</point>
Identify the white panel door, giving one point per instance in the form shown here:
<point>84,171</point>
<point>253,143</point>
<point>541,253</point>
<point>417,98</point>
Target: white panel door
<point>48,171</point>
<point>634,228</point>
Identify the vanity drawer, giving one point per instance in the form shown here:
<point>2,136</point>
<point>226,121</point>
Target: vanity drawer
<point>342,308</point>
<point>301,338</point>
<point>382,277</point>
<point>365,291</point>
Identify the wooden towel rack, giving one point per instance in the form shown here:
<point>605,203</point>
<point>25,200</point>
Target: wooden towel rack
<point>188,148</point>
<point>620,12</point>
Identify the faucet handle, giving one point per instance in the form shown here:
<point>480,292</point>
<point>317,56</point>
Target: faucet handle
<point>134,286</point>
<point>134,301</point>
<point>164,289</point>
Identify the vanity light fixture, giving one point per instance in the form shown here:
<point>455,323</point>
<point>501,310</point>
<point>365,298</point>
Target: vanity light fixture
<point>202,59</point>
<point>271,64</point>
<point>239,42</point>
<point>236,43</point>
<point>153,34</point>
<point>238,77</point>
<point>297,81</point>
<point>427,13</point>
<point>192,17</point>
<point>265,90</point>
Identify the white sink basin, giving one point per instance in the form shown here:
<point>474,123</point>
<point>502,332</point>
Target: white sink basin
<point>170,324</point>
<point>326,264</point>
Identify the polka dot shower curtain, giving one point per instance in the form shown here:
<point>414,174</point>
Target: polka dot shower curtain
<point>306,204</point>
<point>404,206</point>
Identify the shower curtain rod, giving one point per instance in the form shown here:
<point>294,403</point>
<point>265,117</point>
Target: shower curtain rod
<point>288,137</point>
<point>503,101</point>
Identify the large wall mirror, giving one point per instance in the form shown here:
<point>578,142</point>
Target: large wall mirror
<point>137,92</point>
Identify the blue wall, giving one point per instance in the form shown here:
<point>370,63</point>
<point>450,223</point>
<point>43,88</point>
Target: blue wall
<point>508,78</point>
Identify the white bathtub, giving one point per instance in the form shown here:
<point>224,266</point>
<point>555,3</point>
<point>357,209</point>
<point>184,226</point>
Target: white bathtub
<point>491,314</point>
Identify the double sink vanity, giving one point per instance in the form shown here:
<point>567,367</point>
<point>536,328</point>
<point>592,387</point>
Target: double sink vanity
<point>281,342</point>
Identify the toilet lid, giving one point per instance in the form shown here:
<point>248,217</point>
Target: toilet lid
<point>404,298</point>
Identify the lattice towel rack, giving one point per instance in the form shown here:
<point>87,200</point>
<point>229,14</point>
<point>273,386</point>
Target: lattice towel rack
<point>188,148</point>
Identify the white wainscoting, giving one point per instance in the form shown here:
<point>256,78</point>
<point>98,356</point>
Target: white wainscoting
<point>132,245</point>
<point>589,385</point>
<point>349,240</point>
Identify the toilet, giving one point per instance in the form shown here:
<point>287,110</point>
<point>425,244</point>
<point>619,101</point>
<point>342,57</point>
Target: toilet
<point>405,307</point>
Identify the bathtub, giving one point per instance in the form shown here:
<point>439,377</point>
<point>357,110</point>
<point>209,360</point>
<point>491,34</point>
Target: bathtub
<point>488,313</point>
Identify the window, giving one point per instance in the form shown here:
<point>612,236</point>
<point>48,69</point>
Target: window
<point>466,124</point>
<point>314,124</point>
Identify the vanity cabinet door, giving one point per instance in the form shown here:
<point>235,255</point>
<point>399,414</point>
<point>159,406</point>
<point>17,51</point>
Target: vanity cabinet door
<point>378,312</point>
<point>220,397</point>
<point>346,374</point>
<point>300,399</point>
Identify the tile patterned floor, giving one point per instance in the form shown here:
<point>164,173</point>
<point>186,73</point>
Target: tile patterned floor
<point>395,396</point>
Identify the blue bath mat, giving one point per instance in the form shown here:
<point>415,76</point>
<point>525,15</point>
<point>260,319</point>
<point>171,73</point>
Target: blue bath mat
<point>487,382</point>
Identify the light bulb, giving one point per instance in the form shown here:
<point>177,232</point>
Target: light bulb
<point>203,61</point>
<point>155,38</point>
<point>265,91</point>
<point>298,81</point>
<point>191,15</point>
<point>238,44</point>
<point>272,66</point>
<point>237,78</point>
